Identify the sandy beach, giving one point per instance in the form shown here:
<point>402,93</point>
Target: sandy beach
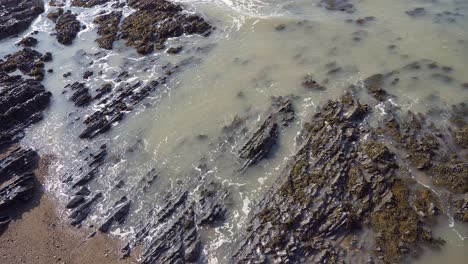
<point>40,236</point>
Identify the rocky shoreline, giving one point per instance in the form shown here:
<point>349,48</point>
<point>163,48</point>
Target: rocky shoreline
<point>348,194</point>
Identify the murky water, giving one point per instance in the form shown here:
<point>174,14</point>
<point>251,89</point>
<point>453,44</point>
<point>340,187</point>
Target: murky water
<point>259,49</point>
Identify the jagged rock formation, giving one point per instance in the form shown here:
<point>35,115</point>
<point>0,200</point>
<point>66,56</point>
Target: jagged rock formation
<point>17,15</point>
<point>80,96</point>
<point>82,200</point>
<point>311,84</point>
<point>336,186</point>
<point>117,215</point>
<point>260,144</point>
<point>108,29</point>
<point>17,182</point>
<point>21,104</point>
<point>28,61</point>
<point>115,108</point>
<point>66,26</point>
<point>88,3</point>
<point>173,236</point>
<point>157,20</point>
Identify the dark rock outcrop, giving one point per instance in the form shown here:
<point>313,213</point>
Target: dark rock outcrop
<point>80,96</point>
<point>174,229</point>
<point>83,199</point>
<point>426,152</point>
<point>117,215</point>
<point>28,61</point>
<point>79,214</point>
<point>28,42</point>
<point>262,141</point>
<point>461,209</point>
<point>103,90</point>
<point>17,15</point>
<point>336,185</point>
<point>108,29</point>
<point>67,27</point>
<point>88,3</point>
<point>115,108</point>
<point>17,182</point>
<point>54,15</point>
<point>157,20</point>
<point>21,104</point>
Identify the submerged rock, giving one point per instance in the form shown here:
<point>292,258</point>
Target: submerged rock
<point>54,15</point>
<point>374,86</point>
<point>17,15</point>
<point>113,111</point>
<point>117,215</point>
<point>338,5</point>
<point>311,84</point>
<point>417,12</point>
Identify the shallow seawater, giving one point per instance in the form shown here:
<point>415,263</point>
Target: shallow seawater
<point>259,49</point>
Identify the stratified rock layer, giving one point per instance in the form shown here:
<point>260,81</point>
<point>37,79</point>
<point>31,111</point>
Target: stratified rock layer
<point>17,15</point>
<point>21,104</point>
<point>88,3</point>
<point>337,186</point>
<point>262,141</point>
<point>67,25</point>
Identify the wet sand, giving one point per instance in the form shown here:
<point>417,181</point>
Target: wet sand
<point>40,236</point>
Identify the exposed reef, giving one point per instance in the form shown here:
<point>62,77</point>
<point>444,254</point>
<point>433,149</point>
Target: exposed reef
<point>67,27</point>
<point>157,20</point>
<point>17,182</point>
<point>16,16</point>
<point>108,27</point>
<point>338,187</point>
<point>21,104</point>
<point>262,141</point>
<point>88,3</point>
